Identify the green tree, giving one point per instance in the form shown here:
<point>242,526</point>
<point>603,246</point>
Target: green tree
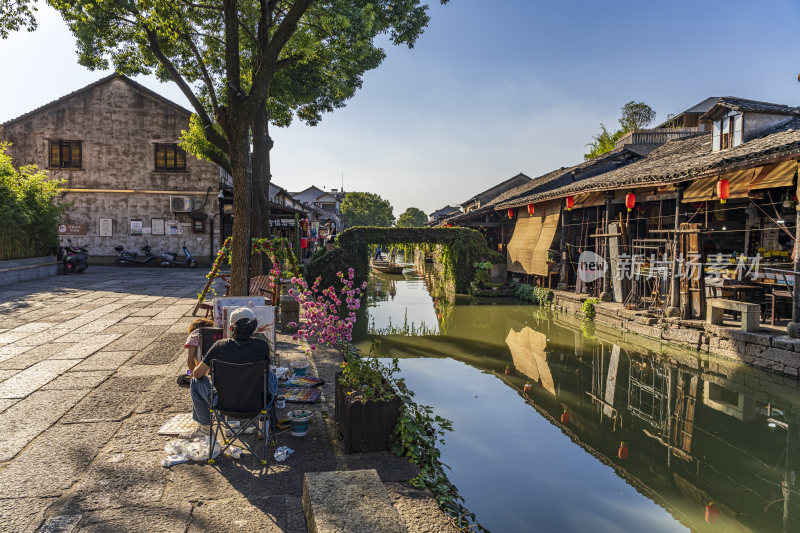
<point>412,218</point>
<point>366,209</point>
<point>634,115</point>
<point>224,56</point>
<point>30,210</point>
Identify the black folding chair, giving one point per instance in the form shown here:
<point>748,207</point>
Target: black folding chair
<point>244,392</point>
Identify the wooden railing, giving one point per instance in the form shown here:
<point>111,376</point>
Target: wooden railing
<point>654,136</point>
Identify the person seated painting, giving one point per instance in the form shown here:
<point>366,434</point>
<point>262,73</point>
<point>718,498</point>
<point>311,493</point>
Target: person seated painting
<point>192,344</point>
<point>242,347</point>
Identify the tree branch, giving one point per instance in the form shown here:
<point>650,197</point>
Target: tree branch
<point>208,126</point>
<point>206,77</point>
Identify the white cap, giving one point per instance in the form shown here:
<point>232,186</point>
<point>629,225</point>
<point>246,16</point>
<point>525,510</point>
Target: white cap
<point>241,313</point>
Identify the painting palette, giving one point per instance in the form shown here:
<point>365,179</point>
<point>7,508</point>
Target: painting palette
<point>299,394</point>
<point>304,381</point>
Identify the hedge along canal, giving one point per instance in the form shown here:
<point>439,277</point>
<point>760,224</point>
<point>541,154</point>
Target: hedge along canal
<point>709,445</point>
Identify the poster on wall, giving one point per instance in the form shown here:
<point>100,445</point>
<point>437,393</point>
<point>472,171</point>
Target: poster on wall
<point>157,225</point>
<point>106,226</point>
<point>172,227</point>
<point>136,227</point>
<point>314,229</point>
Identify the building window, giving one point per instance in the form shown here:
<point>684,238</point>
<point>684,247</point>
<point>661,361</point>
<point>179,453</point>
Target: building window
<point>65,154</point>
<point>727,132</point>
<point>170,158</point>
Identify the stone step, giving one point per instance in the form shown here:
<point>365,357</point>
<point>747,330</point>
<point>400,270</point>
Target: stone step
<point>354,501</point>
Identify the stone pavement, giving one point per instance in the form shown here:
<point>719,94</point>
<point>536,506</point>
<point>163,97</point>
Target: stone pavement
<point>87,375</point>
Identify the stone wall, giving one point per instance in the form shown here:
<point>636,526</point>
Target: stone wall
<point>118,123</point>
<point>778,353</point>
<point>27,269</point>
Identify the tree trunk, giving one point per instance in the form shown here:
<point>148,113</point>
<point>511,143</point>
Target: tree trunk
<point>242,207</point>
<point>261,179</point>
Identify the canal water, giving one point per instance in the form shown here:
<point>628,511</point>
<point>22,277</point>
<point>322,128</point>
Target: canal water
<point>708,445</point>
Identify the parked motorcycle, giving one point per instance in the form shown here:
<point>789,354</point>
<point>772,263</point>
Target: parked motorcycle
<point>127,257</point>
<point>171,260</point>
<point>73,258</point>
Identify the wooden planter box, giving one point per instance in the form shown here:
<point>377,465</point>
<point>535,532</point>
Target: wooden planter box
<point>365,426</point>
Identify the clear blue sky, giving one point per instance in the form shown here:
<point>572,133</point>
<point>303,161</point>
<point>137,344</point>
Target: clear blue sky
<point>491,89</point>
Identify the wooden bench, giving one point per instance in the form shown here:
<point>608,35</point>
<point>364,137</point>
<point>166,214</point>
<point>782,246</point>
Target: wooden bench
<point>751,313</point>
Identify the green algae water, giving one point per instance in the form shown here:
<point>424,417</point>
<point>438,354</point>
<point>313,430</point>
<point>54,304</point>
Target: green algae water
<point>654,438</point>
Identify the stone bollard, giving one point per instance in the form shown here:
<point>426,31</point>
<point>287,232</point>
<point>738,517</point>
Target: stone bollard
<point>290,310</point>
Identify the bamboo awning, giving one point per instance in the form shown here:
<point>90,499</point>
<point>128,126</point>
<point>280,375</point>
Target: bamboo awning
<point>589,199</point>
<point>523,243</point>
<point>551,214</point>
<point>775,175</point>
<point>705,189</point>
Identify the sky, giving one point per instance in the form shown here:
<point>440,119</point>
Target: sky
<point>491,89</point>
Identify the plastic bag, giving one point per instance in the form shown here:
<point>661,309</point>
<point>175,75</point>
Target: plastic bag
<point>282,453</point>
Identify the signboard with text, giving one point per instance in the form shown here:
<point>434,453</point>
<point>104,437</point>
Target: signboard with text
<point>72,229</point>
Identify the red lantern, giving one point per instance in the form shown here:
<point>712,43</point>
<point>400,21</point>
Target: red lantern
<point>303,242</point>
<point>723,190</point>
<point>530,209</point>
<point>510,213</point>
<point>630,201</point>
<point>570,202</point>
<point>565,417</point>
<point>712,512</point>
<point>623,451</point>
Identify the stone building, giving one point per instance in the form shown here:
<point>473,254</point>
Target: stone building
<point>114,143</point>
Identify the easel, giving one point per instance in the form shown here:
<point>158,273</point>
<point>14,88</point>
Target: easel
<point>214,274</point>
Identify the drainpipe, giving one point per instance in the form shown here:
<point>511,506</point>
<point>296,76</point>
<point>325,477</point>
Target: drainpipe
<point>562,277</point>
<point>605,296</point>
<point>793,328</point>
<point>674,282</point>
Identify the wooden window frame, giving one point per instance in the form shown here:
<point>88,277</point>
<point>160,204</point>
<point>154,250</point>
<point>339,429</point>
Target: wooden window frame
<point>177,161</point>
<point>67,150</point>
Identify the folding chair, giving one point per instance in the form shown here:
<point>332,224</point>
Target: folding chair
<point>244,392</point>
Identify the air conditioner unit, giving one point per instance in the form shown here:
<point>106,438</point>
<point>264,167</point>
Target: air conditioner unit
<point>180,204</point>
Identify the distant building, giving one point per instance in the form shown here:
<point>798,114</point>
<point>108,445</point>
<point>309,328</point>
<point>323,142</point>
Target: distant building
<point>441,214</point>
<point>327,201</point>
<point>115,143</point>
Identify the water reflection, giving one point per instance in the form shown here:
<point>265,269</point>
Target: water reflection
<point>652,439</point>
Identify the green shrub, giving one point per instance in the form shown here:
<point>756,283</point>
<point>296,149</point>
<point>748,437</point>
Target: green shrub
<point>535,295</point>
<point>30,210</point>
<point>587,308</point>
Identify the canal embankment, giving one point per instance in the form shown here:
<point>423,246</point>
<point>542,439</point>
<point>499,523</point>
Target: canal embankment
<point>769,349</point>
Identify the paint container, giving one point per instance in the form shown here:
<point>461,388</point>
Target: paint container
<point>299,421</point>
<point>299,367</point>
<point>280,402</point>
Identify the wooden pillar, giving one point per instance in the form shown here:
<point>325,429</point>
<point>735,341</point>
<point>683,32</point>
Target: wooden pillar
<point>562,277</point>
<point>793,329</point>
<point>674,280</point>
<point>605,296</point>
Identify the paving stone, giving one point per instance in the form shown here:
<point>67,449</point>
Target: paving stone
<point>22,515</point>
<point>91,344</point>
<point>166,396</point>
<point>241,515</point>
<point>105,361</point>
<point>132,476</point>
<point>114,400</point>
<point>139,433</point>
<point>389,466</point>
<point>33,327</point>
<point>5,374</point>
<point>78,380</point>
<point>36,355</point>
<point>7,351</point>
<point>12,336</point>
<point>163,350</point>
<point>418,509</point>
<point>29,417</point>
<point>58,457</point>
<point>34,377</point>
<point>120,328</point>
<point>173,518</point>
<point>227,479</point>
<point>5,404</point>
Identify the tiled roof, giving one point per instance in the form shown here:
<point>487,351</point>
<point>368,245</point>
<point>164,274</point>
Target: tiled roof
<point>745,105</point>
<point>678,160</point>
<point>101,81</point>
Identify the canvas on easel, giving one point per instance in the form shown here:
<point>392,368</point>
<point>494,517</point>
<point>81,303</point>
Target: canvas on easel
<point>234,302</point>
<point>265,316</point>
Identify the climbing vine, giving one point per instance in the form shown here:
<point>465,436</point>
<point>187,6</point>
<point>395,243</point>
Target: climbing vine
<point>456,248</point>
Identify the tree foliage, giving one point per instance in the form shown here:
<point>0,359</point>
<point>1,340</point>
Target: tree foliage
<point>30,210</point>
<point>633,116</point>
<point>412,218</point>
<point>366,209</point>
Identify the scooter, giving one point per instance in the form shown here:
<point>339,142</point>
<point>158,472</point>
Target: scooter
<point>171,260</point>
<point>131,258</point>
<point>73,258</point>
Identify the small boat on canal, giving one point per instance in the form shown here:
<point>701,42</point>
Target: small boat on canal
<point>496,292</point>
<point>387,267</point>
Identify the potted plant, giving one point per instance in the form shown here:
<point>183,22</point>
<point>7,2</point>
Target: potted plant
<point>367,404</point>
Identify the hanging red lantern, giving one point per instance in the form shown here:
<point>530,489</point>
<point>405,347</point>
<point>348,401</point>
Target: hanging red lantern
<point>712,512</point>
<point>723,190</point>
<point>510,213</point>
<point>530,209</point>
<point>630,201</point>
<point>570,202</point>
<point>565,417</point>
<point>623,451</point>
